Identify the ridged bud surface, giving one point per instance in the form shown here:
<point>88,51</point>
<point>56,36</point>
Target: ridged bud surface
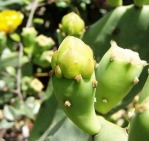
<point>74,57</point>
<point>72,24</point>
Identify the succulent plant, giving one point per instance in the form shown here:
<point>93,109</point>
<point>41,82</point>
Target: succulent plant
<point>90,91</point>
<point>113,26</point>
<point>139,127</point>
<point>117,72</point>
<point>74,83</point>
<point>110,132</point>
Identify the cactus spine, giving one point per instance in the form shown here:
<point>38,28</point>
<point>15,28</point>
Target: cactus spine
<point>74,83</point>
<point>116,73</point>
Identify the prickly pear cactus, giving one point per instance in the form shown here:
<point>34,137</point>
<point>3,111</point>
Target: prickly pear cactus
<point>114,26</point>
<point>139,127</point>
<point>117,73</point>
<point>82,87</point>
<point>110,132</point>
<point>74,83</point>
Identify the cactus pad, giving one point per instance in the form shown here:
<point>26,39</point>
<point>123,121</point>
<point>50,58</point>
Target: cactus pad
<point>117,73</point>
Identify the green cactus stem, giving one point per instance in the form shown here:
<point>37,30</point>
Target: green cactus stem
<point>60,36</point>
<point>145,90</point>
<point>77,101</point>
<point>98,37</point>
<point>3,40</point>
<point>110,132</point>
<point>116,73</point>
<point>74,83</point>
<point>139,127</point>
<point>115,3</point>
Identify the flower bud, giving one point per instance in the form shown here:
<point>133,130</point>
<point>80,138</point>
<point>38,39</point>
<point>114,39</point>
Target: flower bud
<point>43,43</point>
<point>72,24</point>
<point>36,85</point>
<point>43,59</point>
<point>74,58</point>
<point>28,38</point>
<point>31,85</point>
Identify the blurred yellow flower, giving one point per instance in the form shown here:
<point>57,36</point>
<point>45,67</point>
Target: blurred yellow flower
<point>10,20</point>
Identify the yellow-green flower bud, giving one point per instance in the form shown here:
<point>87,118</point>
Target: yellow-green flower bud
<point>28,38</point>
<point>31,85</point>
<point>43,59</point>
<point>43,43</point>
<point>74,58</point>
<point>72,24</point>
<point>36,85</point>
